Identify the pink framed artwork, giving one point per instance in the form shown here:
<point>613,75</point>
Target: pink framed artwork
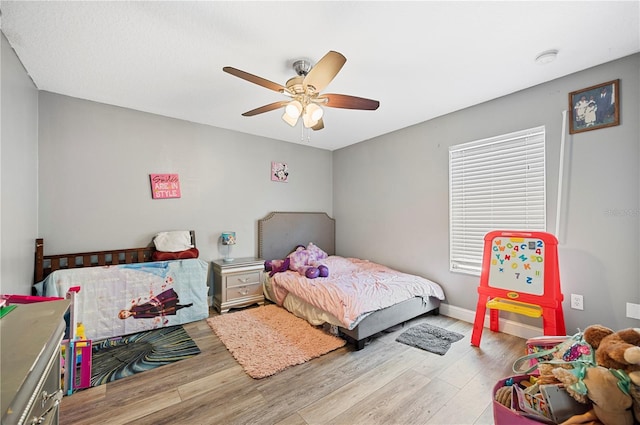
<point>279,172</point>
<point>164,186</point>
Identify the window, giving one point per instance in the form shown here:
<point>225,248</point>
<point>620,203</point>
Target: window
<point>494,184</point>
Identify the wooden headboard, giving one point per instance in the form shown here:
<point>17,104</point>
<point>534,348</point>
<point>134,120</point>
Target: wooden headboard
<point>45,264</point>
<point>280,232</point>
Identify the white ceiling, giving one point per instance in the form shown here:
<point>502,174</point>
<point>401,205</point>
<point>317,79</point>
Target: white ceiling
<point>419,59</point>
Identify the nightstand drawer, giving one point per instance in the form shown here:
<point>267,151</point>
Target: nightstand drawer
<point>244,291</point>
<point>243,279</point>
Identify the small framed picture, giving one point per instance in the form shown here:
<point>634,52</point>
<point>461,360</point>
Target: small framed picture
<point>595,107</point>
<point>279,172</point>
<point>165,186</point>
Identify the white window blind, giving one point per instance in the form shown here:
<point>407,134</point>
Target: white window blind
<point>494,184</point>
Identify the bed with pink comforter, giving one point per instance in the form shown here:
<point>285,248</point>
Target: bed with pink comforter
<point>353,289</point>
<point>358,297</point>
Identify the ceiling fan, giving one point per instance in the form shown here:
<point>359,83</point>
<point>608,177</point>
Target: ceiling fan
<point>304,92</point>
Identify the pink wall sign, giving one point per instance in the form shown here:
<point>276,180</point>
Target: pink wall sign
<point>165,186</point>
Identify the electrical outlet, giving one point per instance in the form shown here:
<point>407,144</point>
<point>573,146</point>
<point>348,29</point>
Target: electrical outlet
<point>577,302</point>
<point>633,310</point>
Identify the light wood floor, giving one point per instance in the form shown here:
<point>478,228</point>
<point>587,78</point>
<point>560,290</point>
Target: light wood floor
<point>385,383</point>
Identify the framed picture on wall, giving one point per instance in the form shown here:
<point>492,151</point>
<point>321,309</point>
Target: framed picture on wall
<point>595,107</point>
<point>165,186</point>
<point>279,172</point>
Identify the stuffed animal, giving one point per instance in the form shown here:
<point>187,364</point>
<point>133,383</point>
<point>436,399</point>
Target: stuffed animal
<point>618,350</point>
<point>304,260</point>
<point>545,372</point>
<point>276,266</point>
<point>504,395</point>
<point>611,402</point>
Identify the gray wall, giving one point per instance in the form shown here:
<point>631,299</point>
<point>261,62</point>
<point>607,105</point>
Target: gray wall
<point>95,162</point>
<point>391,195</point>
<point>18,173</point>
<point>83,169</point>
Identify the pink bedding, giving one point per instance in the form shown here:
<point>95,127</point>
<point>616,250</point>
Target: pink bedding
<point>354,288</point>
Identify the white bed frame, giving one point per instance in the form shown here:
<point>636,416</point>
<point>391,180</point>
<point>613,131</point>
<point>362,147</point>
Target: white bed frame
<point>280,232</point>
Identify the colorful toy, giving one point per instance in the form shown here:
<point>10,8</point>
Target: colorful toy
<point>616,350</point>
<point>520,275</point>
<point>619,350</point>
<point>324,270</point>
<point>276,266</point>
<point>76,351</point>
<point>312,272</point>
<point>80,337</point>
<point>604,388</point>
<point>304,260</point>
<point>504,396</point>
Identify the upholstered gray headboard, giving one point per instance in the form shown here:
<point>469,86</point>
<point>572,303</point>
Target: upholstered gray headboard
<point>280,232</point>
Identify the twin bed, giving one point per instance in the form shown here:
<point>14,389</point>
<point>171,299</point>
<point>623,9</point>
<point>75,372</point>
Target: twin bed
<point>126,291</point>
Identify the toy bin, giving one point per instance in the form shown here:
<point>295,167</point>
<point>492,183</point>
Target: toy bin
<point>503,415</point>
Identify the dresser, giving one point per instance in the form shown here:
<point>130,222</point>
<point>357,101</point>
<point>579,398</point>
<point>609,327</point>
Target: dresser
<point>237,283</point>
<point>30,337</point>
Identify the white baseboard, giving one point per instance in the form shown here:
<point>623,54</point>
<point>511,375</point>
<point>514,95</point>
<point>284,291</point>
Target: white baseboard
<point>507,326</point>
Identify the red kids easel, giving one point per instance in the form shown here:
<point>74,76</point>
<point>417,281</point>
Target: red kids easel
<point>519,274</point>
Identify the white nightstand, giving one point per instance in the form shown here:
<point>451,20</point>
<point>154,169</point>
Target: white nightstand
<point>237,283</point>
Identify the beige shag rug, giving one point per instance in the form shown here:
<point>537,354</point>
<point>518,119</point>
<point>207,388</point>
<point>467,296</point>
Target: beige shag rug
<point>268,339</point>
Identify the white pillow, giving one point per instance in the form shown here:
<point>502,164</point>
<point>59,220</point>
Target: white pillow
<point>179,240</point>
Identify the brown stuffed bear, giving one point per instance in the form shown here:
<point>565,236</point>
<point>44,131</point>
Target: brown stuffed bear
<point>611,406</point>
<point>618,350</point>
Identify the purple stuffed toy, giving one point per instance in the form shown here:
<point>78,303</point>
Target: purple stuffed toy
<point>303,260</point>
<point>276,266</point>
<point>306,261</point>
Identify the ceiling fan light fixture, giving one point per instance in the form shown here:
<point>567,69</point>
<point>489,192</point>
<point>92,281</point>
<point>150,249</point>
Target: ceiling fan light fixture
<point>292,121</point>
<point>293,109</point>
<point>315,112</point>
<point>308,122</point>
<point>312,115</point>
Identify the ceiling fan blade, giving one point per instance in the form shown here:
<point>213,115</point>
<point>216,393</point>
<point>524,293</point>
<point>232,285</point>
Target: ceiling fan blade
<point>254,79</point>
<point>324,71</point>
<point>319,125</point>
<point>266,108</point>
<point>349,102</point>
